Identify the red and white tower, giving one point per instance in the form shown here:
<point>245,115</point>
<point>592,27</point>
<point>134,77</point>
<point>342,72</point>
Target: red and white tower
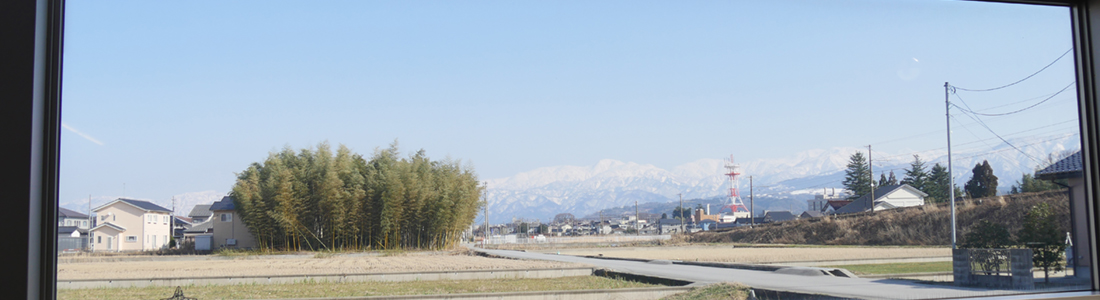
<point>736,206</point>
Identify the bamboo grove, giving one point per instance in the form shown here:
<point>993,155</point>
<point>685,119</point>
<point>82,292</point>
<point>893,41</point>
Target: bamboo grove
<point>315,199</point>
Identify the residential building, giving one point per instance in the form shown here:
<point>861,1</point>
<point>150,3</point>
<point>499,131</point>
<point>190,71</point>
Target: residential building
<point>778,216</point>
<point>820,201</point>
<point>229,229</point>
<point>130,225</point>
<point>810,214</point>
<point>832,205</point>
<point>886,197</point>
<point>200,213</point>
<point>1072,170</point>
<point>67,217</point>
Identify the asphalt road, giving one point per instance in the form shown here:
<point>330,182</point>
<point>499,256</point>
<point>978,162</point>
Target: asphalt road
<point>862,288</point>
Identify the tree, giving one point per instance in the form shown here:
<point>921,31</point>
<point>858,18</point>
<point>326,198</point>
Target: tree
<point>1042,235</point>
<point>664,216</point>
<point>523,228</point>
<point>1028,184</point>
<point>857,178</point>
<point>937,185</point>
<point>987,235</point>
<point>915,175</point>
<point>544,229</point>
<point>564,218</point>
<point>893,180</point>
<point>676,212</point>
<point>882,181</point>
<point>982,183</point>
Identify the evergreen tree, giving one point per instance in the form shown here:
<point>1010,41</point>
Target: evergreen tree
<point>915,175</point>
<point>1028,184</point>
<point>937,185</point>
<point>664,216</point>
<point>882,181</point>
<point>857,178</point>
<point>982,183</point>
<point>893,180</point>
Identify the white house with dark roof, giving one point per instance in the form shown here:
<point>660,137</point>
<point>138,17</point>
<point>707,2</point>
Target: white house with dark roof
<point>1071,169</point>
<point>886,197</point>
<point>130,225</point>
<point>67,217</point>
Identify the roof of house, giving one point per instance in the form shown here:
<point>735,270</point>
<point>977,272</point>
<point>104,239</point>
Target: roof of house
<point>1066,168</point>
<point>67,213</point>
<point>778,216</point>
<point>201,210</point>
<point>864,202</point>
<point>140,204</point>
<point>184,220</point>
<point>110,225</point>
<point>67,230</point>
<point>811,214</point>
<point>200,227</point>
<point>669,222</point>
<point>225,203</point>
<point>836,204</point>
<point>756,220</point>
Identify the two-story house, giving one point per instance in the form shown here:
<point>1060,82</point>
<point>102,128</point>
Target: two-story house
<point>229,229</point>
<point>130,225</point>
<point>67,217</point>
<point>201,213</point>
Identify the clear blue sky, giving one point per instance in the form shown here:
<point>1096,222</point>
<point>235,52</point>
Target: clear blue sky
<point>174,97</point>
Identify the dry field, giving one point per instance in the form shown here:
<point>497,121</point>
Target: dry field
<point>260,266</point>
<point>728,253</point>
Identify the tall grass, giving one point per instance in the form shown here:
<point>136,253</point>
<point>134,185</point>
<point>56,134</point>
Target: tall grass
<point>926,225</point>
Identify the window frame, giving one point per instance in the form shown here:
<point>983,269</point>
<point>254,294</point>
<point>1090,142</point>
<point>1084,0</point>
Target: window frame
<point>131,239</point>
<point>31,69</point>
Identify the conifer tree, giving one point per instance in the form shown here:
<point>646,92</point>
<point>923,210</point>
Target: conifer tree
<point>857,178</point>
<point>882,181</point>
<point>982,183</point>
<point>937,185</point>
<point>915,175</point>
<point>892,180</point>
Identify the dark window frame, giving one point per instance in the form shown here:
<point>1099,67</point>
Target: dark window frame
<point>30,82</point>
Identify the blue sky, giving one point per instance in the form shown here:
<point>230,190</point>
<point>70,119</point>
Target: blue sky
<point>174,97</point>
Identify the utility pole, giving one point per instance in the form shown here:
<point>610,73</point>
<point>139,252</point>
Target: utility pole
<point>752,205</point>
<point>91,220</point>
<point>951,186</point>
<point>681,212</point>
<point>172,223</point>
<point>486,232</point>
<point>637,231</point>
<point>871,169</point>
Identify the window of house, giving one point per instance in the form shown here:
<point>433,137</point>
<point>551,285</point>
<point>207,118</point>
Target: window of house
<point>227,217</point>
<point>131,238</point>
<point>99,239</point>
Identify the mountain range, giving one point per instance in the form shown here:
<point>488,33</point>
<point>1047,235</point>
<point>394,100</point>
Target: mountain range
<point>783,182</point>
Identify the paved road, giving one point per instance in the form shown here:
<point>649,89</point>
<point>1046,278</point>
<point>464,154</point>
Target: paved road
<point>863,288</point>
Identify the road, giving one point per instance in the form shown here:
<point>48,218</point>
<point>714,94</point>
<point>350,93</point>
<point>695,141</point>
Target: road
<point>862,288</point>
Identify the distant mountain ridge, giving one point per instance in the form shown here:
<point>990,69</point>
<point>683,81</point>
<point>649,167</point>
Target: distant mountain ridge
<point>581,190</point>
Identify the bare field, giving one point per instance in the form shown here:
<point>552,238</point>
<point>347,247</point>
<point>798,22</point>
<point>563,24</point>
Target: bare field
<point>260,266</point>
<point>730,253</point>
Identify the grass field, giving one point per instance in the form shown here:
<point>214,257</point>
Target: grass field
<point>355,289</point>
<point>897,268</point>
<point>717,291</point>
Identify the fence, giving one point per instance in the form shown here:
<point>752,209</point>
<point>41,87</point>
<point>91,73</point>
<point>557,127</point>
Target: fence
<point>71,244</point>
<point>993,268</point>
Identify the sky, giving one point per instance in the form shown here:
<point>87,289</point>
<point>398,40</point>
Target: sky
<point>170,99</point>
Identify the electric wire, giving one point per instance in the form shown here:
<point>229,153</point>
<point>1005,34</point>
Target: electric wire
<point>1019,110</point>
<point>1021,80</point>
<point>976,118</point>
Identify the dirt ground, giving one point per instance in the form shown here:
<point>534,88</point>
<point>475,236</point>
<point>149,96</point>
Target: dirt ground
<point>761,254</point>
<point>259,266</point>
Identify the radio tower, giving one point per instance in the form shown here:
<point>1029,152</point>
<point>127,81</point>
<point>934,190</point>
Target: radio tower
<point>732,170</point>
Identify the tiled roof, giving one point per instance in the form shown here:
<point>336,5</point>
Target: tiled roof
<point>1067,167</point>
<point>778,216</point>
<point>811,214</point>
<point>225,203</point>
<point>201,210</point>
<point>837,204</point>
<point>200,228</point>
<point>146,205</point>
<point>67,213</point>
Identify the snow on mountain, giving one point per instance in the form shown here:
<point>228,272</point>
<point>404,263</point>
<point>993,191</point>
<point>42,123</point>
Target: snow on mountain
<point>580,190</point>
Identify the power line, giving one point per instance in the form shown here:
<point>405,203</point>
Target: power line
<point>1019,110</point>
<point>1021,80</point>
<point>991,130</point>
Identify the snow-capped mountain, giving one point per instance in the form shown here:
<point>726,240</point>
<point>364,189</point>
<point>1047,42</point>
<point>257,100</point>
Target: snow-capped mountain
<point>580,190</point>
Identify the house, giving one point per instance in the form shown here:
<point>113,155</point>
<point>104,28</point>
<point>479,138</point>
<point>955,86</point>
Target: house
<point>229,229</point>
<point>1071,169</point>
<point>67,217</point>
<point>200,213</point>
<point>778,216</point>
<point>130,225</point>
<point>832,205</point>
<point>820,201</point>
<point>179,224</point>
<point>886,197</point>
<point>810,214</point>
<point>669,226</point>
<point>71,238</point>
